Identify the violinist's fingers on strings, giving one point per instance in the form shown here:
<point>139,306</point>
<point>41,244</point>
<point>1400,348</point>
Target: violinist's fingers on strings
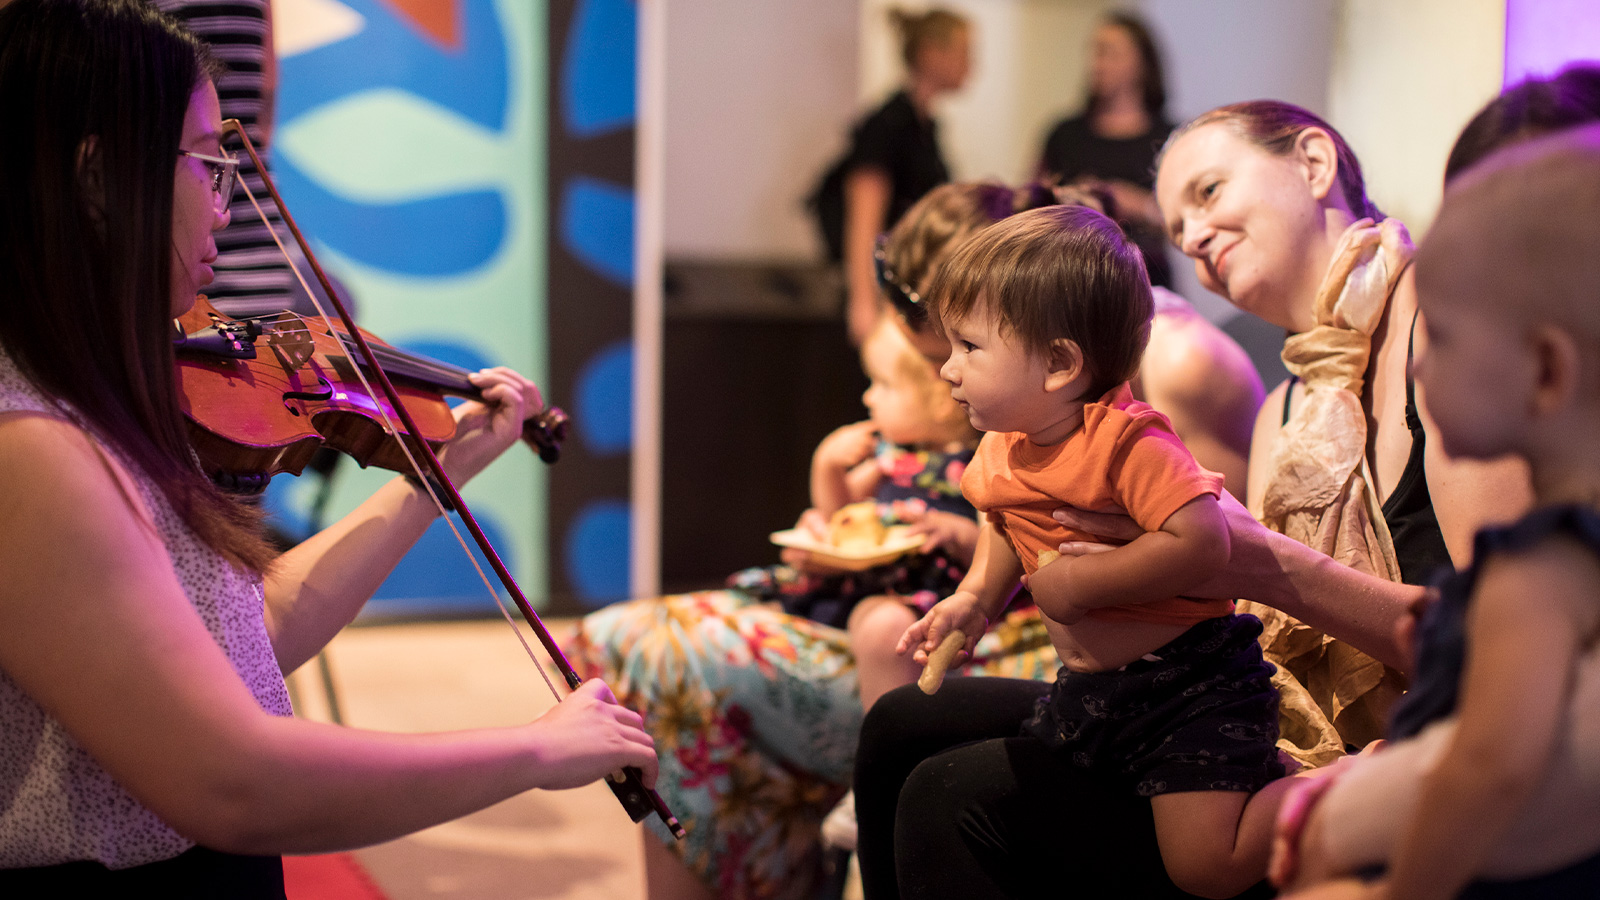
<point>505,385</point>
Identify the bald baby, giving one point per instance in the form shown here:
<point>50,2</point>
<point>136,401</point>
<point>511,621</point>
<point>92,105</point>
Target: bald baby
<point>1509,284</point>
<point>1494,768</point>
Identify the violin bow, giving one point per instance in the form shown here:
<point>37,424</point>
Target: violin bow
<point>628,784</point>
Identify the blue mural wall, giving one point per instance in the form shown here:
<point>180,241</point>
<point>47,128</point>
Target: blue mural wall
<point>466,168</point>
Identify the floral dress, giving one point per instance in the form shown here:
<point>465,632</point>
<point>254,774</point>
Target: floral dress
<point>912,481</point>
<point>756,714</point>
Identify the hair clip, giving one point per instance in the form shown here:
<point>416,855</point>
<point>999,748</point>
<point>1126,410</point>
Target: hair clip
<point>906,300</point>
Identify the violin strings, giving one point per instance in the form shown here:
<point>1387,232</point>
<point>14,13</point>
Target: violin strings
<point>427,487</point>
<point>399,362</point>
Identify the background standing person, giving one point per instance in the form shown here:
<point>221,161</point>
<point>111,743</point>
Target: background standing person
<point>894,156</point>
<point>147,745</point>
<point>1113,142</point>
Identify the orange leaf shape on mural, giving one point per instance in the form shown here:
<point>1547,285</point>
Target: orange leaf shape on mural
<point>438,20</point>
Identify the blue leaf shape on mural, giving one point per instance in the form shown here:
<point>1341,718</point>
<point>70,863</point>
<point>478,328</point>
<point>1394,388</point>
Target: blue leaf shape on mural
<point>466,356</point>
<point>471,81</point>
<point>409,238</point>
<point>597,80</point>
<point>597,226</point>
<point>452,353</point>
<point>435,576</point>
<point>597,552</point>
<point>604,401</point>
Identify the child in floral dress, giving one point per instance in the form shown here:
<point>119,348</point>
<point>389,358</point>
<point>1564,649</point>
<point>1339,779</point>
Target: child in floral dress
<point>908,458</point>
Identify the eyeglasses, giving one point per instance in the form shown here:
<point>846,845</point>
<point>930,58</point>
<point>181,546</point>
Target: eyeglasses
<point>224,169</point>
<point>905,299</point>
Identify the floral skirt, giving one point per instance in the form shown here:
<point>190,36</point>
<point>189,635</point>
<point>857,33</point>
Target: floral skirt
<point>755,714</point>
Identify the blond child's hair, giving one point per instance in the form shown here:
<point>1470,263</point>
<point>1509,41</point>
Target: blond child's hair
<point>1047,274</point>
<point>950,422</point>
<point>945,216</point>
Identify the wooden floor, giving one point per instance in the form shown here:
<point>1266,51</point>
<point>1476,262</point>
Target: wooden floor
<point>574,845</point>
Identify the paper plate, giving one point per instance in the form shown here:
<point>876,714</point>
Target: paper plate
<point>896,543</point>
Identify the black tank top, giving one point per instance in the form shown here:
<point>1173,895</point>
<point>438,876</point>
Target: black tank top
<point>1418,543</point>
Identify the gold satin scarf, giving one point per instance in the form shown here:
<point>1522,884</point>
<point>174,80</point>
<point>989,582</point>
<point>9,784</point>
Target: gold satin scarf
<point>1320,494</point>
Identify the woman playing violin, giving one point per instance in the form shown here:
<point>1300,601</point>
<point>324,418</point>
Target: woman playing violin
<point>146,737</point>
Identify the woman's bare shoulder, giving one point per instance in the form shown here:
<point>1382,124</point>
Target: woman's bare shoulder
<point>1194,367</point>
<point>1186,351</point>
<point>50,465</point>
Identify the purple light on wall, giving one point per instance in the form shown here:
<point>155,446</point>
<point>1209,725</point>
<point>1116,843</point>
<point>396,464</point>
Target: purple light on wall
<point>1544,35</point>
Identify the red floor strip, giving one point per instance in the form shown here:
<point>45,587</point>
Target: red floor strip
<point>332,876</point>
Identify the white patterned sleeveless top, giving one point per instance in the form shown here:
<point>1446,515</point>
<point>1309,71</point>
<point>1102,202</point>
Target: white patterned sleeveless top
<point>56,803</point>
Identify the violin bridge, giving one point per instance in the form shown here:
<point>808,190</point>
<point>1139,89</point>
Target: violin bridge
<point>291,341</point>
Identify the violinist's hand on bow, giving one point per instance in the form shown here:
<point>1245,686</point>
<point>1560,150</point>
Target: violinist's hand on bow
<point>485,429</point>
<point>588,736</point>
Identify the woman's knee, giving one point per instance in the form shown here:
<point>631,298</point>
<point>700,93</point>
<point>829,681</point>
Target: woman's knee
<point>876,625</point>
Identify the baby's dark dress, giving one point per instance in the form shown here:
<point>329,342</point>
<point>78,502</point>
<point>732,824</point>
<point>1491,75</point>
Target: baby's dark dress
<point>1441,660</point>
<point>912,481</point>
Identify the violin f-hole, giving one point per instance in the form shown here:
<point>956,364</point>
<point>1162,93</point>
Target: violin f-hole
<point>315,396</point>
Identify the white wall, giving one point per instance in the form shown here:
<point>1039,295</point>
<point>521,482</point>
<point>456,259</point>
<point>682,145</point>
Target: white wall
<point>755,95</point>
<point>1225,51</point>
<point>1406,78</point>
<point>1030,66</point>
<point>760,95</point>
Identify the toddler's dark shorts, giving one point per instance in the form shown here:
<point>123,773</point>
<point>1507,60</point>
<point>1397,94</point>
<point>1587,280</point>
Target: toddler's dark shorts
<point>1198,714</point>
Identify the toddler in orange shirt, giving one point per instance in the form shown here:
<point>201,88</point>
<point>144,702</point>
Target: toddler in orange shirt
<point>1047,314</point>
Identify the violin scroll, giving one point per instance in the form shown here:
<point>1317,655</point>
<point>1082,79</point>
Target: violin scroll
<point>546,431</point>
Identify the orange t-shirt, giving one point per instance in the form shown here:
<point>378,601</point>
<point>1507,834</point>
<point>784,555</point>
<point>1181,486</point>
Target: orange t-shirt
<point>1126,454</point>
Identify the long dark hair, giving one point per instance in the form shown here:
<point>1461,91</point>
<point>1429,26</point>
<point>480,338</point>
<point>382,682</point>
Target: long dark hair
<point>1152,81</point>
<point>93,94</point>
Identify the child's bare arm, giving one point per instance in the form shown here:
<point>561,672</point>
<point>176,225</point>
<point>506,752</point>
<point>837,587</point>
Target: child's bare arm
<point>1191,545</point>
<point>841,468</point>
<point>978,600</point>
<point>1529,619</point>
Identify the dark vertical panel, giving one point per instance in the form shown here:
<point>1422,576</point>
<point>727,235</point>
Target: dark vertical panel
<point>590,188</point>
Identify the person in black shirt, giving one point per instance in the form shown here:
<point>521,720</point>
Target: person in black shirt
<point>894,153</point>
<point>1113,143</point>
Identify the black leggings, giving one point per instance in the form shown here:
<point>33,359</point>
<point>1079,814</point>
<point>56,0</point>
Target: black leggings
<point>950,802</point>
<point>198,874</point>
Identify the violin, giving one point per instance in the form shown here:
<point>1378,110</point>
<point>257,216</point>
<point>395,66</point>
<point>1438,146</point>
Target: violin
<point>262,394</point>
<point>269,391</point>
